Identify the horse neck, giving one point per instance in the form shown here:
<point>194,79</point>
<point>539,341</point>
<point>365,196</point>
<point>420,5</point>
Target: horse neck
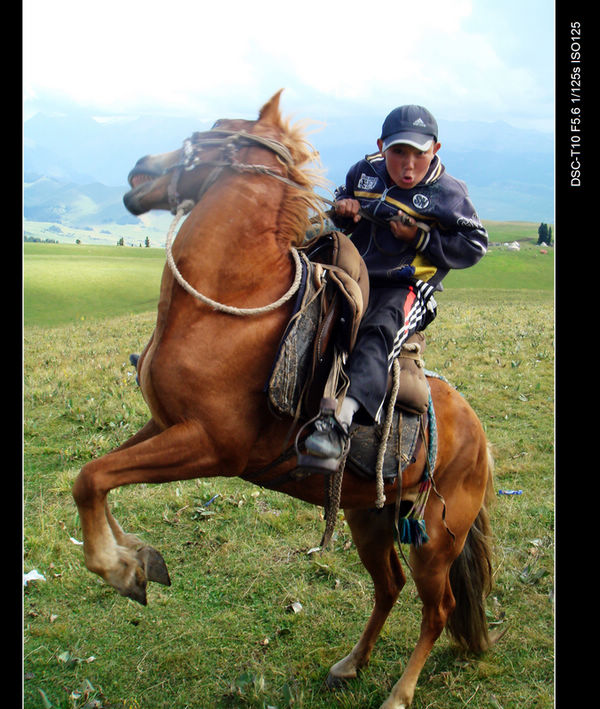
<point>231,239</point>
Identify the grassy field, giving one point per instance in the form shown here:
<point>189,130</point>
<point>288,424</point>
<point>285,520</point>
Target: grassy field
<point>68,283</point>
<point>223,634</point>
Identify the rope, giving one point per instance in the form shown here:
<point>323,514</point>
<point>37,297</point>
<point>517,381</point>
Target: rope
<point>380,500</point>
<point>183,208</point>
<point>334,495</point>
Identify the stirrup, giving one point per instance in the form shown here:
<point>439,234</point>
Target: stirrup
<point>315,463</point>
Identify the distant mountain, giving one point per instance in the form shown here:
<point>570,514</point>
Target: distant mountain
<point>49,200</point>
<point>76,166</point>
<point>77,145</point>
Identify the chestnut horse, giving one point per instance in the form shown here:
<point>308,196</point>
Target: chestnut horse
<point>202,376</point>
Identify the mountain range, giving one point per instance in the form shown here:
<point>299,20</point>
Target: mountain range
<point>75,165</point>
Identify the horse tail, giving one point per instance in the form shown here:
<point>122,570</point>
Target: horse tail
<point>471,578</point>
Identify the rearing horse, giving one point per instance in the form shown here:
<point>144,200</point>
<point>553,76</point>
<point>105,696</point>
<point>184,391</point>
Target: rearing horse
<point>202,376</point>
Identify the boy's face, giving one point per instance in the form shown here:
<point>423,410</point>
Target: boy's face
<point>407,165</point>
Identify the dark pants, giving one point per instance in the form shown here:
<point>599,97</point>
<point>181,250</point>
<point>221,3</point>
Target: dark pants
<point>393,314</point>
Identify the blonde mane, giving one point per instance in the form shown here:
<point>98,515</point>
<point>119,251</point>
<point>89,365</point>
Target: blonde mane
<point>306,171</point>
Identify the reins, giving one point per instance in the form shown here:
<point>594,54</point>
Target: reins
<point>229,142</point>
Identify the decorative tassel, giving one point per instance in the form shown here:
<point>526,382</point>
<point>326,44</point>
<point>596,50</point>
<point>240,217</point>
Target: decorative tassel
<point>412,531</point>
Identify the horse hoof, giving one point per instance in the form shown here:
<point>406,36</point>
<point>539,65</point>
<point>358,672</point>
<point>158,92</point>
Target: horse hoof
<point>333,682</point>
<point>136,590</point>
<point>153,565</point>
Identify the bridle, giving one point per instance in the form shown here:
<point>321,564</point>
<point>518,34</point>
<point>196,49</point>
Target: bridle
<point>229,142</point>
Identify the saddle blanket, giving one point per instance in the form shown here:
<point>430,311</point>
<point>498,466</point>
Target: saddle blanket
<point>293,363</point>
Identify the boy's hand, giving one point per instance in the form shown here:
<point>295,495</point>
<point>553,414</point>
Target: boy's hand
<point>403,227</point>
<point>348,208</point>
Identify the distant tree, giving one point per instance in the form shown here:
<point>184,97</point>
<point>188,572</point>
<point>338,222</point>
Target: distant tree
<point>121,242</point>
<point>147,242</point>
<point>542,234</point>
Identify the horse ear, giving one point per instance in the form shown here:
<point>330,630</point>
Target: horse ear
<point>270,113</point>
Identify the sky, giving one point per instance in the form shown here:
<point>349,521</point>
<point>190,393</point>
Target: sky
<point>483,60</point>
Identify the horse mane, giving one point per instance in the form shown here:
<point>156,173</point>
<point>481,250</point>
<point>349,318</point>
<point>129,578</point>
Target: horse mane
<point>306,171</point>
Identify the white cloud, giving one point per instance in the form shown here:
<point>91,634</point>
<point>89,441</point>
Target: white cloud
<point>127,53</point>
<point>130,55</point>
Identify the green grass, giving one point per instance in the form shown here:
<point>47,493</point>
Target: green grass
<point>66,283</point>
<point>223,635</point>
<point>527,269</point>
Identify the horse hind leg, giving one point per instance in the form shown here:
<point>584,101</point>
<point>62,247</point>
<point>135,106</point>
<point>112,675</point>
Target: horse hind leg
<point>452,579</point>
<point>372,532</point>
<point>434,589</point>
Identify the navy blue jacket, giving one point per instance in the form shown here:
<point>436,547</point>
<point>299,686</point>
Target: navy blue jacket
<point>456,238</point>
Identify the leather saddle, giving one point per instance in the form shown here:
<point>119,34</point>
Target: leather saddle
<point>325,323</point>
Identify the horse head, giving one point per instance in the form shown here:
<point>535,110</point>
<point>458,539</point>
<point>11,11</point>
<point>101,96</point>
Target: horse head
<point>151,177</point>
<point>164,181</point>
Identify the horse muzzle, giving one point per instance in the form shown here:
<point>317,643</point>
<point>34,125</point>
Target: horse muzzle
<point>149,181</point>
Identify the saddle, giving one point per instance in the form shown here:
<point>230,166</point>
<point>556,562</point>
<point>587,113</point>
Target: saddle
<point>323,328</point>
<point>334,256</point>
<point>332,298</point>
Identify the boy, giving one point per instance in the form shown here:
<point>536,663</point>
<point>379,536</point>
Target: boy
<point>430,227</point>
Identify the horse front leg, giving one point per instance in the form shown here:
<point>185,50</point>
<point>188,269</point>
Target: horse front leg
<point>372,532</point>
<point>153,563</point>
<point>180,452</point>
<point>122,538</point>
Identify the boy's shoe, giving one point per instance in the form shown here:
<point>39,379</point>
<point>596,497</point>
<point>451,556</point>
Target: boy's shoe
<point>329,439</point>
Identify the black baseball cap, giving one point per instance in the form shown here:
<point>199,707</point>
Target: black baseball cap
<point>409,124</point>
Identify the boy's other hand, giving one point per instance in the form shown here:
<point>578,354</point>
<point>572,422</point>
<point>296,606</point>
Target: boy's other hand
<point>348,208</point>
<point>403,226</point>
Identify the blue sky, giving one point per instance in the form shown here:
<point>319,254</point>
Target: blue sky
<point>481,60</point>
